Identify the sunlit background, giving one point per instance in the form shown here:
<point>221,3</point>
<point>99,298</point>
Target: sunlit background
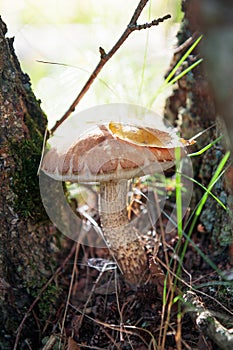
<point>70,33</point>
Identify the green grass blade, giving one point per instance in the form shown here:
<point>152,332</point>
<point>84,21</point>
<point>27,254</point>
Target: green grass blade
<point>205,189</point>
<point>218,173</point>
<point>203,255</point>
<point>189,240</point>
<point>184,72</point>
<point>204,149</point>
<point>183,58</point>
<point>212,182</point>
<point>167,81</point>
<point>145,55</point>
<point>179,214</point>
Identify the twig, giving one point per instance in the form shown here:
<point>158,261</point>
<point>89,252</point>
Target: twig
<point>57,272</point>
<point>187,43</point>
<point>207,323</point>
<point>155,22</point>
<point>70,290</point>
<point>118,328</point>
<point>91,295</point>
<point>105,57</point>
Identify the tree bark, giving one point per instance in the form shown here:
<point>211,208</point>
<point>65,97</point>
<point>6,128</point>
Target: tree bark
<point>192,107</point>
<point>217,26</point>
<point>27,249</point>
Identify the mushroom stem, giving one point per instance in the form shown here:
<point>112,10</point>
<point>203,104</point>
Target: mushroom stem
<point>119,233</point>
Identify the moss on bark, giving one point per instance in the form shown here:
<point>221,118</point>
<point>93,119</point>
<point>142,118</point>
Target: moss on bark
<point>27,254</point>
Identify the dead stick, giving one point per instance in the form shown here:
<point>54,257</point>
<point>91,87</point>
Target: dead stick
<point>207,323</point>
<point>105,57</point>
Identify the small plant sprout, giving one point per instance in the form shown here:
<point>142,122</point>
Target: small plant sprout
<point>113,154</point>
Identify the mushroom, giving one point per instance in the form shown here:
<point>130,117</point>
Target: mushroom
<point>111,155</point>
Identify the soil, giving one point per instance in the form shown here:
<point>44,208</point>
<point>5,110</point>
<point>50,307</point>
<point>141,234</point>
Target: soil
<point>104,312</point>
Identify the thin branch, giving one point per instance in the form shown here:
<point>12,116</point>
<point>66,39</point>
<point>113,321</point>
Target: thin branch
<point>155,22</point>
<point>105,57</point>
<point>187,43</point>
<point>70,290</point>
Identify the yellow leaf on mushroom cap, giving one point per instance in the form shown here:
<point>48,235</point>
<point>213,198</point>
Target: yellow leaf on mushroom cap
<point>143,136</point>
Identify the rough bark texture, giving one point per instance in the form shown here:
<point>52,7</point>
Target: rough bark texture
<point>217,25</point>
<point>26,243</point>
<point>192,107</point>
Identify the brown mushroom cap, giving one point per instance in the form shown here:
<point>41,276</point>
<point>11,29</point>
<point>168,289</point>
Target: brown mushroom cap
<point>101,156</point>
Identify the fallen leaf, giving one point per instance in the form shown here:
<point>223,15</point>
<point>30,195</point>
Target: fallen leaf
<point>147,137</point>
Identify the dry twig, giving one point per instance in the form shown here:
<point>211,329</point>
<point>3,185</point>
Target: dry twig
<point>105,57</point>
<point>207,323</point>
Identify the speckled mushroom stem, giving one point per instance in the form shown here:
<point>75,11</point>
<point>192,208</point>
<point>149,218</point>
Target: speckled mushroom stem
<point>120,235</point>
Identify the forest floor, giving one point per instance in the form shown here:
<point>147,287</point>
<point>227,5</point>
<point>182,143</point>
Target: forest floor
<point>104,312</point>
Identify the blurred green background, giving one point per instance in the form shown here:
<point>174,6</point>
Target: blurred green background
<point>70,32</point>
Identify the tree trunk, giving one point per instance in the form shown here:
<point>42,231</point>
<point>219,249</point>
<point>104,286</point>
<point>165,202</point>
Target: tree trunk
<point>192,107</point>
<point>27,254</point>
<point>217,26</point>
